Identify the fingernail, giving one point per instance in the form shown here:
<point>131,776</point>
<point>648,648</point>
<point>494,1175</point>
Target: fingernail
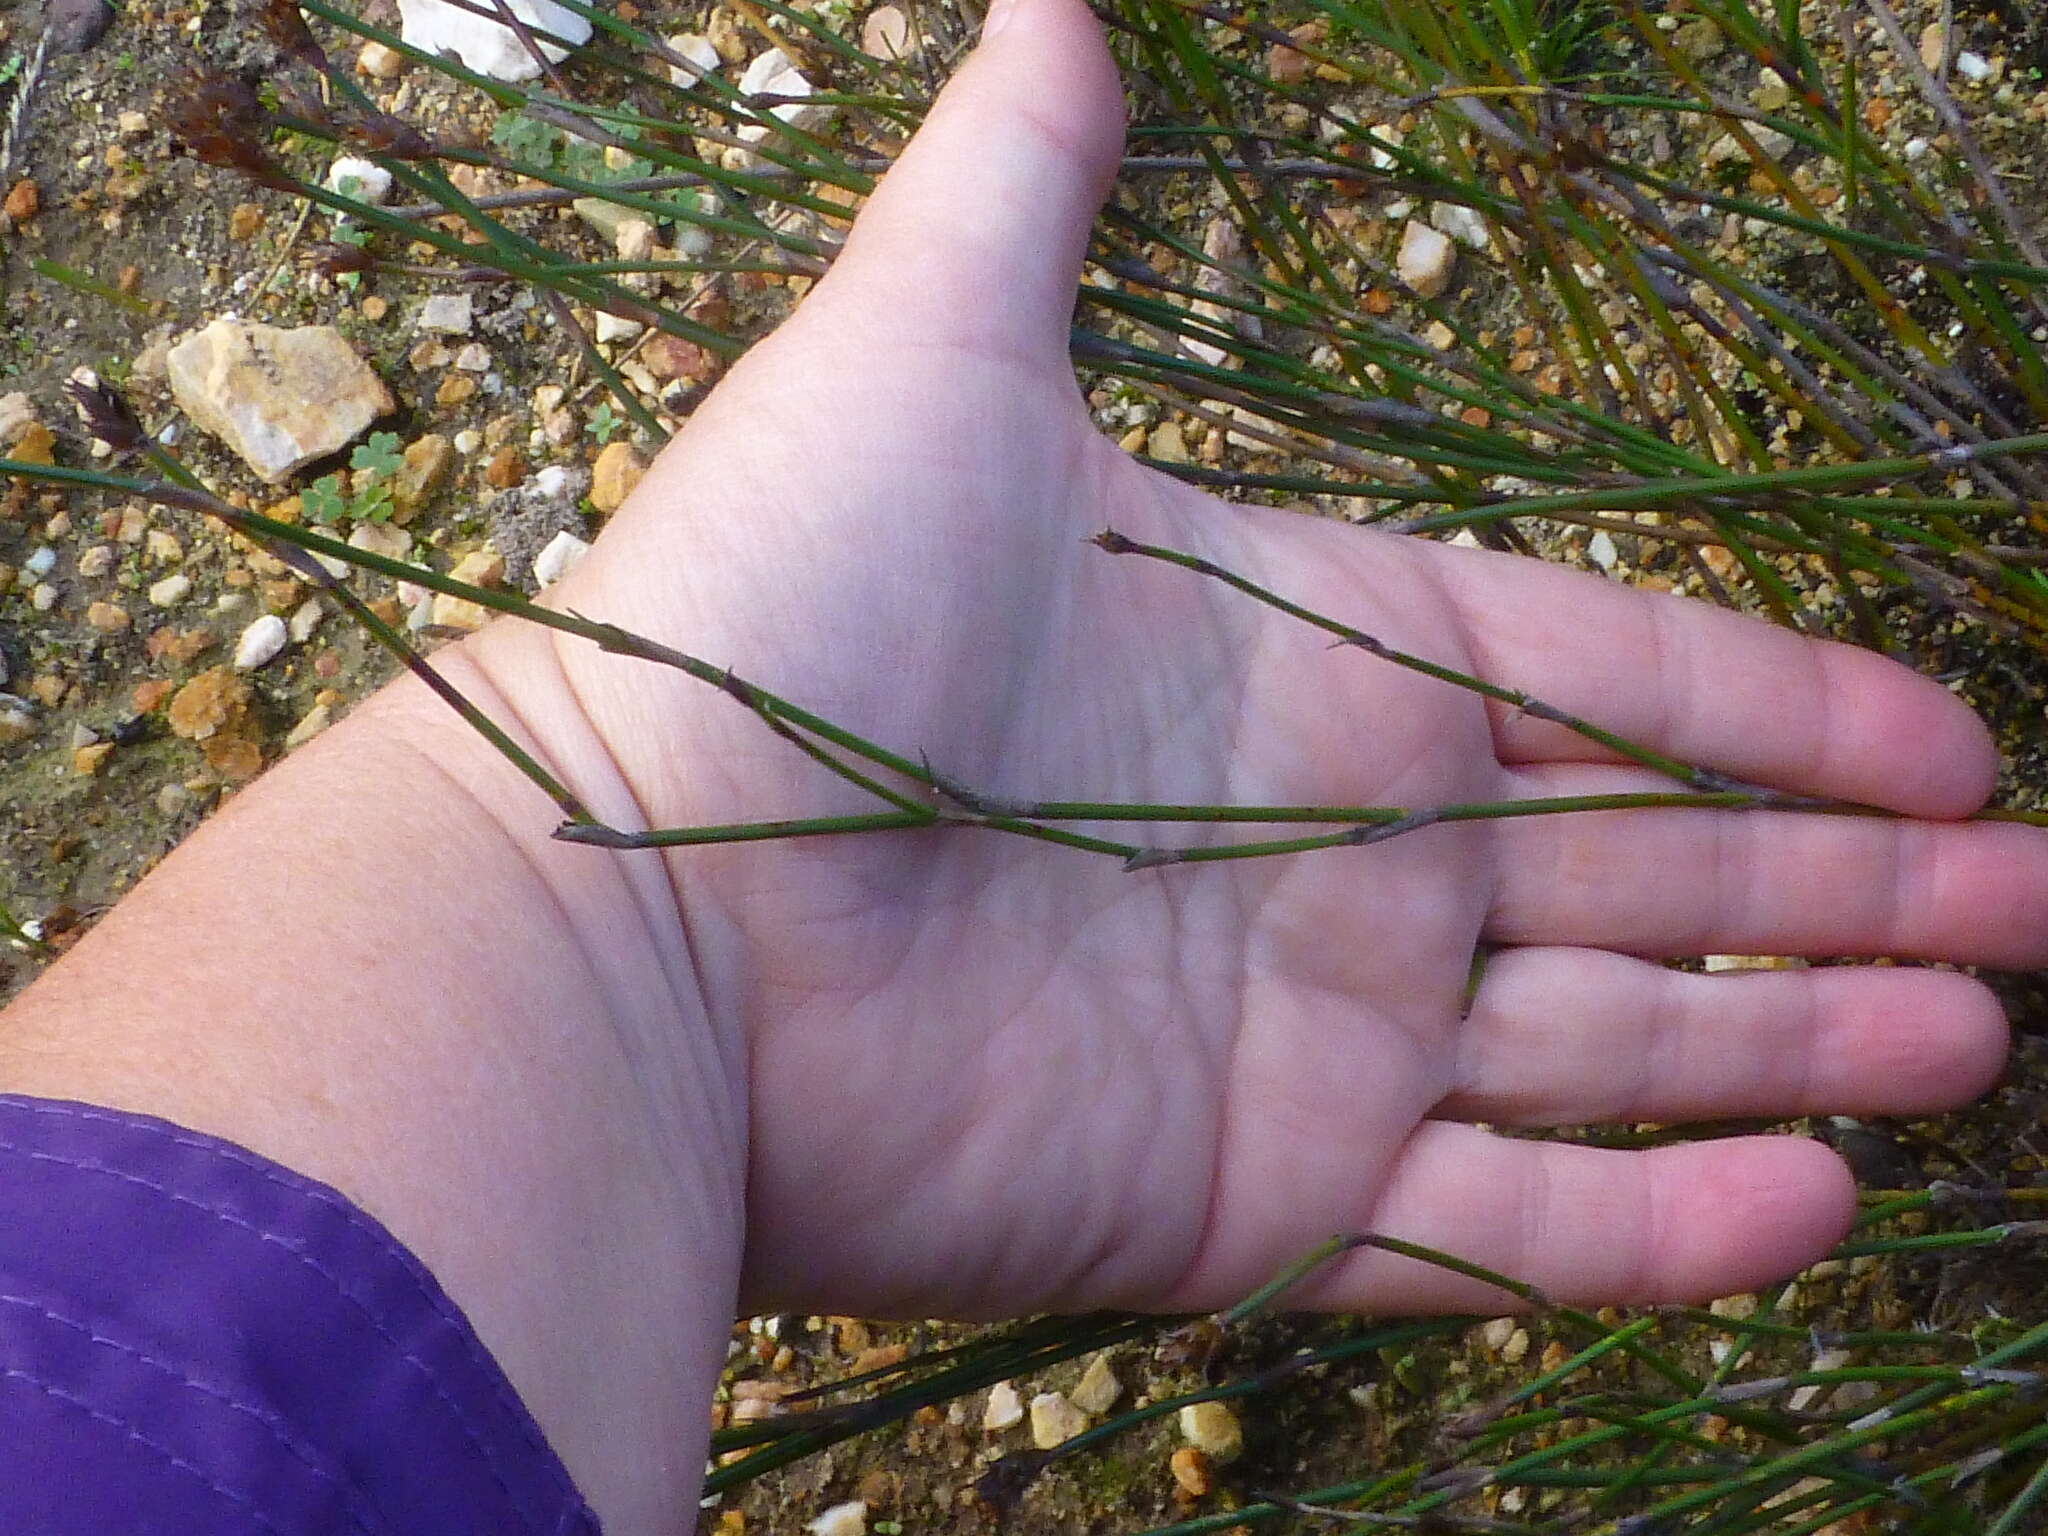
<point>998,17</point>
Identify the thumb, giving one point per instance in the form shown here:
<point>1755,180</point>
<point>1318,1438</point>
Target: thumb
<point>974,239</point>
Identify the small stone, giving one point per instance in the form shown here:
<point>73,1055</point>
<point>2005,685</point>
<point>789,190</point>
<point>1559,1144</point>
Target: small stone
<point>455,389</point>
<point>132,124</point>
<point>162,546</point>
<point>1425,259</point>
<point>428,460</point>
<point>1192,1470</point>
<point>363,180</point>
<point>107,618</point>
<point>1097,1389</point>
<point>1168,444</point>
<point>848,1519</point>
<point>1212,1429</point>
<point>634,240</point>
<point>670,357</point>
<point>1464,225</point>
<point>618,469</point>
<point>145,697</point>
<point>448,314</point>
<point>385,539</point>
<point>260,642</point>
<point>451,612</point>
<point>23,201</point>
<point>310,724</point>
<point>379,62</point>
<point>1933,37</point>
<point>36,445</point>
<point>17,720</point>
<point>490,47</point>
<point>505,470</point>
<point>558,559</point>
<point>886,34</point>
<point>612,328</point>
<point>699,51</point>
<point>172,799</point>
<point>279,398</point>
<point>234,758</point>
<point>42,597</point>
<point>1516,1348</point>
<point>607,218</point>
<point>375,307</point>
<point>208,703</point>
<point>1973,67</point>
<point>480,568</point>
<point>82,736</point>
<point>1005,1409</point>
<point>1496,1333</point>
<point>467,441</point>
<point>304,620</point>
<point>474,358</point>
<point>96,561</point>
<point>171,591</point>
<point>85,761</point>
<point>1601,551</point>
<point>774,74</point>
<point>1054,1420</point>
<point>17,415</point>
<point>1699,40</point>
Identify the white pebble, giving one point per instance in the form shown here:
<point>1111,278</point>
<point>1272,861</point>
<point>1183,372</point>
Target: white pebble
<point>551,481</point>
<point>1212,1428</point>
<point>41,561</point>
<point>1601,551</point>
<point>43,598</point>
<point>1462,224</point>
<point>1973,66</point>
<point>305,619</point>
<point>612,327</point>
<point>558,559</point>
<point>698,51</point>
<point>848,1519</point>
<point>171,591</point>
<point>467,441</point>
<point>371,182</point>
<point>260,642</point>
<point>1005,1408</point>
<point>1425,259</point>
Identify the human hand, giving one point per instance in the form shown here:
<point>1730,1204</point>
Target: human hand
<point>986,1077</point>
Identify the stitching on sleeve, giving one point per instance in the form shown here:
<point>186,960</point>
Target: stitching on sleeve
<point>131,1432</point>
<point>490,1454</point>
<point>279,1430</point>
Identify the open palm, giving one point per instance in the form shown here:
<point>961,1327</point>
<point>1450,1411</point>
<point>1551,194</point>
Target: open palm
<point>985,1076</point>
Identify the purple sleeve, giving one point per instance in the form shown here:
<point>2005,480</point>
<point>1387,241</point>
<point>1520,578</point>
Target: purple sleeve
<point>196,1340</point>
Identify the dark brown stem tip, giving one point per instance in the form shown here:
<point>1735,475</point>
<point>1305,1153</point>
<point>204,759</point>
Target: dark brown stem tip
<point>1150,858</point>
<point>594,835</point>
<point>1112,542</point>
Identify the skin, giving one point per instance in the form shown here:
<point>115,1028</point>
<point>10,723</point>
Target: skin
<point>610,1098</point>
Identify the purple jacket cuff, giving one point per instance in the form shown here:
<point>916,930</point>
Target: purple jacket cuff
<point>194,1339</point>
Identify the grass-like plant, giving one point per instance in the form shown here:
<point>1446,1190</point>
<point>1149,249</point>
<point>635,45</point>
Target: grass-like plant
<point>1716,307</point>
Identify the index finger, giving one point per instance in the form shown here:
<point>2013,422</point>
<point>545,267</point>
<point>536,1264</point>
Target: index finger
<point>1714,689</point>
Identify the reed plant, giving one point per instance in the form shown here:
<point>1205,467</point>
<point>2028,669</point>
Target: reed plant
<point>1742,306</point>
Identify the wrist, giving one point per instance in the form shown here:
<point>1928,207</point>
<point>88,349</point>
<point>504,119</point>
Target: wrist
<point>375,967</point>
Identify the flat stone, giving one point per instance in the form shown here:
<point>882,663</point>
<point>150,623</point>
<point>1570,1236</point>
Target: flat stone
<point>563,551</point>
<point>209,703</point>
<point>310,724</point>
<point>490,47</point>
<point>448,314</point>
<point>279,398</point>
